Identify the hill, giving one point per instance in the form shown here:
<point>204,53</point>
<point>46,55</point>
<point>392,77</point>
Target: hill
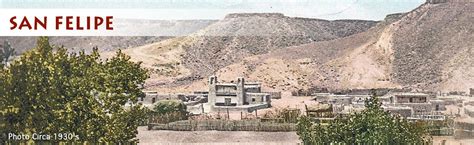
<point>246,34</point>
<point>434,47</point>
<point>429,48</point>
<point>185,59</point>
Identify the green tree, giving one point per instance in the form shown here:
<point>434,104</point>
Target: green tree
<point>166,111</point>
<point>169,106</point>
<point>372,125</point>
<point>1,57</point>
<point>46,91</point>
<point>6,52</point>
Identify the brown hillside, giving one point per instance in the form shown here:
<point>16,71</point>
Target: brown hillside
<point>428,48</point>
<point>242,35</point>
<point>182,60</point>
<point>434,47</point>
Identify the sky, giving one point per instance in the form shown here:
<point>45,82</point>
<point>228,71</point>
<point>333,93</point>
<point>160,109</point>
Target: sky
<point>217,9</point>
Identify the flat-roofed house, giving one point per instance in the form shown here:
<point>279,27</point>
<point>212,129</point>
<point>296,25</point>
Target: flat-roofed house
<point>420,102</point>
<point>240,94</point>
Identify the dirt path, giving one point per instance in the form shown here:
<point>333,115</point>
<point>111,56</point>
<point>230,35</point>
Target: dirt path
<point>147,137</point>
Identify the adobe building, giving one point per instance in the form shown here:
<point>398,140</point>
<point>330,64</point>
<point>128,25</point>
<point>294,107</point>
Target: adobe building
<point>419,102</point>
<point>238,96</point>
<point>411,105</point>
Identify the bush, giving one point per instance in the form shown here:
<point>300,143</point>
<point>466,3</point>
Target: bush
<point>166,111</point>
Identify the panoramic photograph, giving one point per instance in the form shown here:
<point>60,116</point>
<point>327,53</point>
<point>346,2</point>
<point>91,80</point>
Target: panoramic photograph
<point>230,72</point>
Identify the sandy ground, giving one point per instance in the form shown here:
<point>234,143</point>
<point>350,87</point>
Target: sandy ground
<point>158,137</point>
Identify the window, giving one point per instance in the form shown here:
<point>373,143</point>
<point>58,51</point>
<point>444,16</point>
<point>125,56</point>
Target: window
<point>423,99</point>
<point>227,101</point>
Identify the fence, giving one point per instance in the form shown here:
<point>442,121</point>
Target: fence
<point>224,125</point>
<point>464,130</point>
<point>469,111</point>
<point>441,131</point>
<point>167,117</point>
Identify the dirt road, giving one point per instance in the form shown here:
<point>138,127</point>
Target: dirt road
<point>158,137</point>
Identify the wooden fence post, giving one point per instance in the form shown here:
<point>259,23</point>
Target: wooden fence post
<point>256,115</point>
<point>202,108</point>
<point>228,116</point>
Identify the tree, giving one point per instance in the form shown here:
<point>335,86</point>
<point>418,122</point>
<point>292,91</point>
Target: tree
<point>1,57</point>
<point>46,91</point>
<point>169,106</point>
<point>6,52</point>
<point>371,126</point>
<point>166,111</point>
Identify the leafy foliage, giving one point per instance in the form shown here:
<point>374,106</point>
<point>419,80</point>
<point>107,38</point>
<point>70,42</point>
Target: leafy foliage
<point>372,125</point>
<point>6,52</point>
<point>166,111</point>
<point>168,106</point>
<point>46,91</point>
<point>1,58</point>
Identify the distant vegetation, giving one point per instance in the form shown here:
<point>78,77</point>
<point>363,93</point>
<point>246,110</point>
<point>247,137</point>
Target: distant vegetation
<point>52,91</point>
<point>6,52</point>
<point>371,126</point>
<point>166,111</point>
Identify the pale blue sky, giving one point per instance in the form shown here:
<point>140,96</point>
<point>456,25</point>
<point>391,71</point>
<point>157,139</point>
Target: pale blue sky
<point>217,9</point>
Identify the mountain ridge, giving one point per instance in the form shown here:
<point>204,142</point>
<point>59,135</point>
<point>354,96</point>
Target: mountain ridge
<point>380,57</point>
<point>427,48</point>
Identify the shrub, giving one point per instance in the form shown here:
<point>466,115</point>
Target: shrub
<point>166,111</point>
